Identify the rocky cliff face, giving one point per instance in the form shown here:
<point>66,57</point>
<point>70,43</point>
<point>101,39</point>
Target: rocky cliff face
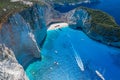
<point>9,67</point>
<point>77,17</point>
<point>35,17</point>
<point>80,19</point>
<point>23,33</point>
<point>107,34</point>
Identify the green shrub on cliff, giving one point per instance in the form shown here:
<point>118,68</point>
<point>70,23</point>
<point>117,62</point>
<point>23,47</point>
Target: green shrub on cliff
<point>102,24</point>
<point>109,32</point>
<point>101,17</point>
<point>7,8</point>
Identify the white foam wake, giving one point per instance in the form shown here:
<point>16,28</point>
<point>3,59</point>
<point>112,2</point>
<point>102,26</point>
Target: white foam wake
<point>77,57</point>
<point>100,75</point>
<point>78,60</point>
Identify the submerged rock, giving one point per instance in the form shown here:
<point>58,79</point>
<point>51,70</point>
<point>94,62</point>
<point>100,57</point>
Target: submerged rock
<point>9,67</point>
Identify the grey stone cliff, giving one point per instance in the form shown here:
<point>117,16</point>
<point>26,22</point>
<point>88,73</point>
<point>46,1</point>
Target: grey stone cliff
<point>10,69</point>
<point>23,33</point>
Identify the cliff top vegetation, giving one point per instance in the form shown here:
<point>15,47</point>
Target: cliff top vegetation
<point>103,24</point>
<point>7,7</point>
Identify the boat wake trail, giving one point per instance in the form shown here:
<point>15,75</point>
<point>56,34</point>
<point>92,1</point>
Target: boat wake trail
<point>99,75</point>
<point>77,57</point>
<point>78,60</point>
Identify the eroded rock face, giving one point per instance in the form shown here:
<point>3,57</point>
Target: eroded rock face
<point>16,34</point>
<point>35,17</point>
<point>23,33</point>
<point>79,19</point>
<point>9,67</point>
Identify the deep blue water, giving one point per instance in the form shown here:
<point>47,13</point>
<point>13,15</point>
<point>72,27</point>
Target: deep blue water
<point>111,7</point>
<point>59,60</point>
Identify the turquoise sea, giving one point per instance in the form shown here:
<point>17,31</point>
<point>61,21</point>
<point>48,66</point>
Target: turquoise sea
<point>59,58</point>
<point>66,52</point>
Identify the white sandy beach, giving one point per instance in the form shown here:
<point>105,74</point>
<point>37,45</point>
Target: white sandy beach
<point>57,25</point>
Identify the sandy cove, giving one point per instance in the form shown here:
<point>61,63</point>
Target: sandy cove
<point>57,25</point>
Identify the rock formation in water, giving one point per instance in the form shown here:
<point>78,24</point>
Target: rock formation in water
<point>10,69</point>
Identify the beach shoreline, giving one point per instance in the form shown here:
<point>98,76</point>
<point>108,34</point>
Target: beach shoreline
<point>57,26</point>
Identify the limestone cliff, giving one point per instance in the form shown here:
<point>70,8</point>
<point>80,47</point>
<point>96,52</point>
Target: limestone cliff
<point>97,25</point>
<point>35,17</point>
<point>79,19</point>
<point>10,69</point>
<point>105,30</point>
<point>23,33</point>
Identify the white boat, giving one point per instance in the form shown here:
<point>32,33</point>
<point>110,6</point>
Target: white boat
<point>78,60</point>
<point>77,57</point>
<point>100,75</point>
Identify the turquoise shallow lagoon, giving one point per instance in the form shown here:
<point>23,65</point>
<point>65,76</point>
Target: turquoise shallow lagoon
<point>59,61</point>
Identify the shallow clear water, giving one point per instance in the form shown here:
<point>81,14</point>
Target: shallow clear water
<point>59,63</point>
<point>112,7</point>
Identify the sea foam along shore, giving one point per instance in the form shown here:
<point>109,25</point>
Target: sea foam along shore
<point>57,25</point>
